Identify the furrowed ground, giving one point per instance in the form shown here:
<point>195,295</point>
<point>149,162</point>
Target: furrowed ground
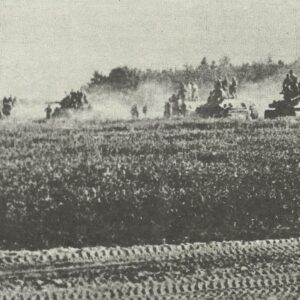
<point>129,183</point>
<point>228,270</point>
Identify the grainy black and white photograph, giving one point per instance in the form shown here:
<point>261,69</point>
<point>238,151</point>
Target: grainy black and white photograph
<point>149,150</point>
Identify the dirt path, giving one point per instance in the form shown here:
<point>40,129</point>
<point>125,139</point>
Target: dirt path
<point>229,270</point>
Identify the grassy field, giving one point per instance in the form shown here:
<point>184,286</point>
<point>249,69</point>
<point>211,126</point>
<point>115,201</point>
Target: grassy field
<point>125,183</point>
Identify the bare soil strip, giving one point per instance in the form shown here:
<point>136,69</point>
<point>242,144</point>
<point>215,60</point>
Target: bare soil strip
<point>267,269</point>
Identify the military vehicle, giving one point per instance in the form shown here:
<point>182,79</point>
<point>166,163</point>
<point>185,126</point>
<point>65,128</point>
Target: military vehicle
<point>220,106</point>
<point>73,102</point>
<point>283,108</point>
<point>221,103</point>
<point>289,106</point>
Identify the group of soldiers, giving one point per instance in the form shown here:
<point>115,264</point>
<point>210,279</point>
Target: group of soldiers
<point>176,105</point>
<point>190,91</point>
<point>290,86</point>
<point>7,104</point>
<point>223,90</point>
<point>74,100</point>
<point>135,112</point>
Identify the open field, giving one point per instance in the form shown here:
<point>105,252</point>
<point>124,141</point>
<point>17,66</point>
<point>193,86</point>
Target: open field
<point>128,183</point>
<point>175,183</point>
<point>229,270</point>
<point>150,150</point>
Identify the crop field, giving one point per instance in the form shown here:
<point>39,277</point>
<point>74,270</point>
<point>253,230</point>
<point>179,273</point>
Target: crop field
<point>96,189</point>
<point>147,182</point>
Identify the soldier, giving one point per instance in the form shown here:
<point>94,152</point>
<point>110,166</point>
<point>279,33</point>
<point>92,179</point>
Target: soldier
<point>287,88</point>
<point>73,94</point>
<point>293,77</point>
<point>233,88</point>
<point>85,99</point>
<point>253,112</point>
<point>183,108</point>
<point>188,94</point>
<point>182,91</point>
<point>194,92</point>
<point>210,98</point>
<point>167,111</point>
<point>225,84</point>
<point>6,106</point>
<point>225,87</point>
<point>56,112</point>
<point>175,106</point>
<point>79,102</point>
<point>218,85</point>
<point>172,98</point>
<point>145,109</point>
<point>134,112</point>
<point>286,83</point>
<point>294,83</point>
<point>218,93</point>
<point>48,112</point>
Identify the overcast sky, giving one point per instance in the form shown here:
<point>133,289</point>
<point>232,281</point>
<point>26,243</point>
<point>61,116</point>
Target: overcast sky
<point>51,46</point>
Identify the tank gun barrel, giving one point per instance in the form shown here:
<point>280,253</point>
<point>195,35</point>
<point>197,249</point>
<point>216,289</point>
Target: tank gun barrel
<point>53,102</point>
<point>280,103</point>
<point>296,98</point>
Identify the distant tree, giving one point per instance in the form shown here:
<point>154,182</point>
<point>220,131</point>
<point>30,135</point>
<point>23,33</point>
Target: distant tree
<point>224,61</point>
<point>123,78</point>
<point>225,67</point>
<point>127,79</point>
<point>97,80</point>
<point>189,73</point>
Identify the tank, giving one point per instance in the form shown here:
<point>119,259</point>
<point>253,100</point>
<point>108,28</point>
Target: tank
<point>288,107</point>
<point>73,102</point>
<point>227,108</point>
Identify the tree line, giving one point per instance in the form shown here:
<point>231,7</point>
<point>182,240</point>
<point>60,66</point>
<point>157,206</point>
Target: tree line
<point>128,79</point>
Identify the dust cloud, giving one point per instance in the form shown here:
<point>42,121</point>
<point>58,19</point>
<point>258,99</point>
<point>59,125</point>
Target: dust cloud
<point>28,109</point>
<point>116,105</point>
<point>261,94</point>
